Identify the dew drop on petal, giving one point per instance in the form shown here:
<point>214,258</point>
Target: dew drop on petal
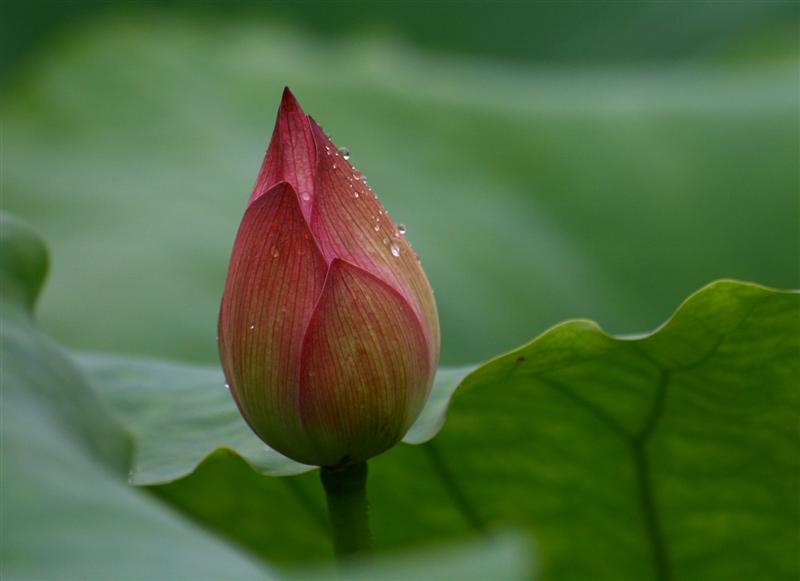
<point>275,252</point>
<point>356,194</point>
<point>252,327</point>
<point>228,386</point>
<point>345,152</point>
<point>395,250</point>
<point>401,228</point>
<point>306,197</point>
<point>377,228</point>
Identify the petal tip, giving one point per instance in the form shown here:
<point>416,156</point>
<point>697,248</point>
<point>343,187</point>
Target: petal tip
<point>289,102</point>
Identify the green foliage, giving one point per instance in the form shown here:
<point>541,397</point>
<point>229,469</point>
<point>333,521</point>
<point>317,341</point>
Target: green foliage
<point>67,512</point>
<point>532,195</point>
<point>626,458</point>
<point>501,558</point>
<point>180,413</point>
<point>673,455</point>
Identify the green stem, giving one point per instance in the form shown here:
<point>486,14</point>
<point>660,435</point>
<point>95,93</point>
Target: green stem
<point>346,491</point>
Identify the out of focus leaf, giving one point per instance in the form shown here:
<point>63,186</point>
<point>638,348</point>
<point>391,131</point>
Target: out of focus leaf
<point>66,511</point>
<point>626,458</point>
<point>532,195</point>
<point>181,413</point>
<point>499,558</point>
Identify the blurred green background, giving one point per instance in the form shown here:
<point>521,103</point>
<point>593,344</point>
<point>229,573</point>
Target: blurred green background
<point>551,160</point>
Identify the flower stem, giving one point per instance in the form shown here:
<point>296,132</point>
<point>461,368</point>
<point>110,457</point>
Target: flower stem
<point>346,491</point>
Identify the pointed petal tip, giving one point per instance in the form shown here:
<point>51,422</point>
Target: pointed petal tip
<point>289,102</point>
<point>290,156</point>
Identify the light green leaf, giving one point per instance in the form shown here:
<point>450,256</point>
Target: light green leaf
<point>180,413</point>
<point>625,457</point>
<point>671,456</point>
<point>499,558</point>
<point>66,511</point>
<point>432,418</point>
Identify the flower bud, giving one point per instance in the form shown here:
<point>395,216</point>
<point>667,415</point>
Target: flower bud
<point>328,332</point>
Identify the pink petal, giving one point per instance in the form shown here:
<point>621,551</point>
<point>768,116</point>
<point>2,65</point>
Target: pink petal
<point>349,222</point>
<point>364,367</point>
<point>275,278</point>
<point>290,156</point>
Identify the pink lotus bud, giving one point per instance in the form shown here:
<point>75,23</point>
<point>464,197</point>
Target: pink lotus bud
<point>328,332</point>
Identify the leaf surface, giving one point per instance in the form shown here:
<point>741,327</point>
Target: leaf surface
<point>625,457</point>
<point>66,510</point>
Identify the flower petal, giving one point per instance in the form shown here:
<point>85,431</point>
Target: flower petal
<point>349,222</point>
<point>275,278</point>
<point>364,367</point>
<point>291,155</point>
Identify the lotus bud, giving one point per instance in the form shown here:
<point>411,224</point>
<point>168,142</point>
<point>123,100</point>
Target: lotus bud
<point>328,332</point>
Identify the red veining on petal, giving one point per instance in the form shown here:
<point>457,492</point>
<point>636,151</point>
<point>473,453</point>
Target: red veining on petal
<point>275,277</point>
<point>319,273</point>
<point>363,368</point>
<point>350,223</point>
<point>291,155</point>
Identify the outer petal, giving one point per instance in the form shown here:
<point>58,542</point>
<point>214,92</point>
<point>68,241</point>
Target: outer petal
<point>364,368</point>
<point>349,222</point>
<point>275,278</point>
<point>291,156</point>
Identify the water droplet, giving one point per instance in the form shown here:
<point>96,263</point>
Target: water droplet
<point>356,194</point>
<point>377,228</point>
<point>401,228</point>
<point>334,166</point>
<point>227,386</point>
<point>363,178</point>
<point>275,252</point>
<point>345,152</point>
<point>306,197</point>
<point>252,327</point>
<point>395,250</point>
<point>385,241</point>
<point>380,212</point>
